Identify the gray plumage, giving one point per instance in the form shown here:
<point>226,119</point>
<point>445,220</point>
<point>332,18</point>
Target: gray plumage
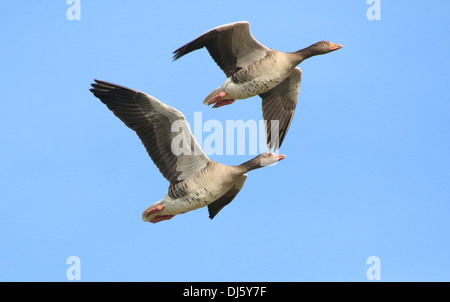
<point>195,180</point>
<point>254,69</point>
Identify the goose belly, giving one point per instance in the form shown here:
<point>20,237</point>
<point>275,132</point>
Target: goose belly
<point>253,87</point>
<point>194,200</point>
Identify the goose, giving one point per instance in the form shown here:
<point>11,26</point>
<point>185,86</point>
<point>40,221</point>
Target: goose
<point>195,180</point>
<point>254,69</point>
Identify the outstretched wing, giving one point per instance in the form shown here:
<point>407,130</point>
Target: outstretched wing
<point>278,104</point>
<point>162,129</point>
<point>232,46</point>
<point>219,204</point>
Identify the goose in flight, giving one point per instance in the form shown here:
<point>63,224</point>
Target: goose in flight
<point>195,180</point>
<point>254,69</point>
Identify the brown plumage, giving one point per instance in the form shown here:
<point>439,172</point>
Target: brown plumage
<point>254,69</point>
<point>195,180</point>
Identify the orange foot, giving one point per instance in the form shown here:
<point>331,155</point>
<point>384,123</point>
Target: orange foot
<point>158,208</point>
<point>216,97</point>
<point>154,210</point>
<point>223,103</point>
<point>161,218</point>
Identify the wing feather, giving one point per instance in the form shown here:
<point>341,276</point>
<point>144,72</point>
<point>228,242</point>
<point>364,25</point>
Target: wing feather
<point>232,47</point>
<point>153,122</point>
<point>225,199</point>
<point>278,104</point>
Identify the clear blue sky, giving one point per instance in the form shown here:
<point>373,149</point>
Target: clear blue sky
<point>367,171</point>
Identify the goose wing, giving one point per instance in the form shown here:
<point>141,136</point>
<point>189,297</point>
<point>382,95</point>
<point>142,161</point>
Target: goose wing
<point>225,199</point>
<point>278,104</point>
<point>162,129</point>
<point>232,47</point>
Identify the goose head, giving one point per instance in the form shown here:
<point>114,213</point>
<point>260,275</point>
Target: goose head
<point>324,47</point>
<point>318,48</point>
<point>262,160</point>
<point>269,158</point>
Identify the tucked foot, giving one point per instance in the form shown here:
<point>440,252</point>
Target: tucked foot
<point>216,97</point>
<point>161,218</point>
<point>154,210</point>
<point>223,103</point>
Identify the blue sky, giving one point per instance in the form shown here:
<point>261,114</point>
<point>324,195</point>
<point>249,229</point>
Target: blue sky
<point>367,171</point>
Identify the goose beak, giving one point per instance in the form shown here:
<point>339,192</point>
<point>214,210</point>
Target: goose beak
<point>335,46</point>
<point>278,157</point>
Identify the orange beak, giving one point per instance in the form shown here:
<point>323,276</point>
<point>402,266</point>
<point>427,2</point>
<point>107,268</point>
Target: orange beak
<point>335,46</point>
<point>278,157</point>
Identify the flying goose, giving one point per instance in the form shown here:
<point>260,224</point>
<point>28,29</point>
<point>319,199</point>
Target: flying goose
<point>254,69</point>
<point>195,180</point>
